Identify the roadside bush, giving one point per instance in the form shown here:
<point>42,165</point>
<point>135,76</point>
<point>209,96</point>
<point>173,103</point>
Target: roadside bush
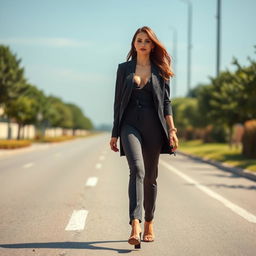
<point>214,134</point>
<point>12,144</point>
<point>249,139</point>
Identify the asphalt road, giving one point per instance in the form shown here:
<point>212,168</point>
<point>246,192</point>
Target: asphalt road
<point>72,199</point>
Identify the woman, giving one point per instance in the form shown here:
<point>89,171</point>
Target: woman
<point>143,121</point>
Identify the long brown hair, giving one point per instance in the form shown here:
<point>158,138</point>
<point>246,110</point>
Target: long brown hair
<point>159,56</point>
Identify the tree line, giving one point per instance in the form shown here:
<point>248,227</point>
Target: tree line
<point>210,111</point>
<point>26,104</point>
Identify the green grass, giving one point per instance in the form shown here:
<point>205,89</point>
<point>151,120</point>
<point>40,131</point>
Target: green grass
<point>218,151</point>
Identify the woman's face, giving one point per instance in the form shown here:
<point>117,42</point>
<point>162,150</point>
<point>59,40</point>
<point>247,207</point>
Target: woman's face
<point>143,43</point>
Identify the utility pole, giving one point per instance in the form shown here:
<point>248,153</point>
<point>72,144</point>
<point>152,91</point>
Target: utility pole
<point>189,43</point>
<point>218,36</point>
<point>174,61</point>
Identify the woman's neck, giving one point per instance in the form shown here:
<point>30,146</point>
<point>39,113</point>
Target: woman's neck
<point>143,60</point>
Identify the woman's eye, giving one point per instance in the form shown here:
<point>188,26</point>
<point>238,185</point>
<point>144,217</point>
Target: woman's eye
<point>139,41</point>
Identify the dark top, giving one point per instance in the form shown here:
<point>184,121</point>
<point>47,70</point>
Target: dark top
<point>142,97</point>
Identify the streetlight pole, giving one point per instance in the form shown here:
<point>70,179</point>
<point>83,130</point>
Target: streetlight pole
<point>189,43</point>
<point>174,60</point>
<point>218,36</point>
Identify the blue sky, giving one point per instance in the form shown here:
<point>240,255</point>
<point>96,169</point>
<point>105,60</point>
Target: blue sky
<point>72,48</point>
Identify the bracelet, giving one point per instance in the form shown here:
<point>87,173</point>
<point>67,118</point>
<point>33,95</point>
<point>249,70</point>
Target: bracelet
<point>172,129</point>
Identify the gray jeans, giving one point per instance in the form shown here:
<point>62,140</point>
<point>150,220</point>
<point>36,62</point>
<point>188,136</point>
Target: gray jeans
<point>142,139</point>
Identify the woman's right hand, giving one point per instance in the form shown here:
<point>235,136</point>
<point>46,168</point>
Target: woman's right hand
<point>174,140</point>
<point>113,144</point>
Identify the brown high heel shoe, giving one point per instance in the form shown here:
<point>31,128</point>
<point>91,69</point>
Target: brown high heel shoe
<point>148,235</point>
<point>135,239</point>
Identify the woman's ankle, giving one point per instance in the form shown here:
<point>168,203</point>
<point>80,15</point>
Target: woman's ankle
<point>135,222</point>
<point>136,225</point>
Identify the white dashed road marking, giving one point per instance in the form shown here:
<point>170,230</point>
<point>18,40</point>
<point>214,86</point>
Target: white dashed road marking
<point>102,157</point>
<point>77,220</point>
<point>98,166</point>
<point>28,165</point>
<point>91,182</point>
<point>235,208</point>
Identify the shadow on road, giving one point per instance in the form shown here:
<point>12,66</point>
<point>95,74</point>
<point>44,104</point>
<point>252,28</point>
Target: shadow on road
<point>69,245</point>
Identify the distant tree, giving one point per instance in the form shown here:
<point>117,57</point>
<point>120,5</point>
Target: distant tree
<point>186,115</point>
<point>41,109</point>
<point>224,102</point>
<point>79,120</point>
<point>245,80</point>
<point>12,81</point>
<point>194,92</point>
<point>11,75</point>
<point>26,104</point>
<point>87,123</point>
<point>59,114</point>
<point>22,110</point>
<point>231,97</point>
<point>26,108</point>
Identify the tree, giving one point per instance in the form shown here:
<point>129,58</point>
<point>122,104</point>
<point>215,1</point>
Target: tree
<point>245,80</point>
<point>11,78</point>
<point>194,92</point>
<point>41,108</point>
<point>79,120</point>
<point>23,110</point>
<point>59,114</point>
<point>28,105</point>
<point>187,116</point>
<point>233,95</point>
<point>11,75</point>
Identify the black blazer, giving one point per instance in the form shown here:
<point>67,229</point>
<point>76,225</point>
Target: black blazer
<point>123,90</point>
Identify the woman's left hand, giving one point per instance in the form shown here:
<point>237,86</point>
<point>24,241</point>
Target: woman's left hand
<point>173,140</point>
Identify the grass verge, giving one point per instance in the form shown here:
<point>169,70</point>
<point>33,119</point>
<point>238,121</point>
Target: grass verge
<point>218,151</point>
<point>12,144</point>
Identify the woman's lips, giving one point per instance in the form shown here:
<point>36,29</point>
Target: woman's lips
<point>142,49</point>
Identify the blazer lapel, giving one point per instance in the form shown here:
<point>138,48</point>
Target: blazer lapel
<point>131,68</point>
<point>156,85</point>
<point>131,71</point>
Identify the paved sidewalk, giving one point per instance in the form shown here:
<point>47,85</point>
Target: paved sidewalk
<point>239,171</point>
